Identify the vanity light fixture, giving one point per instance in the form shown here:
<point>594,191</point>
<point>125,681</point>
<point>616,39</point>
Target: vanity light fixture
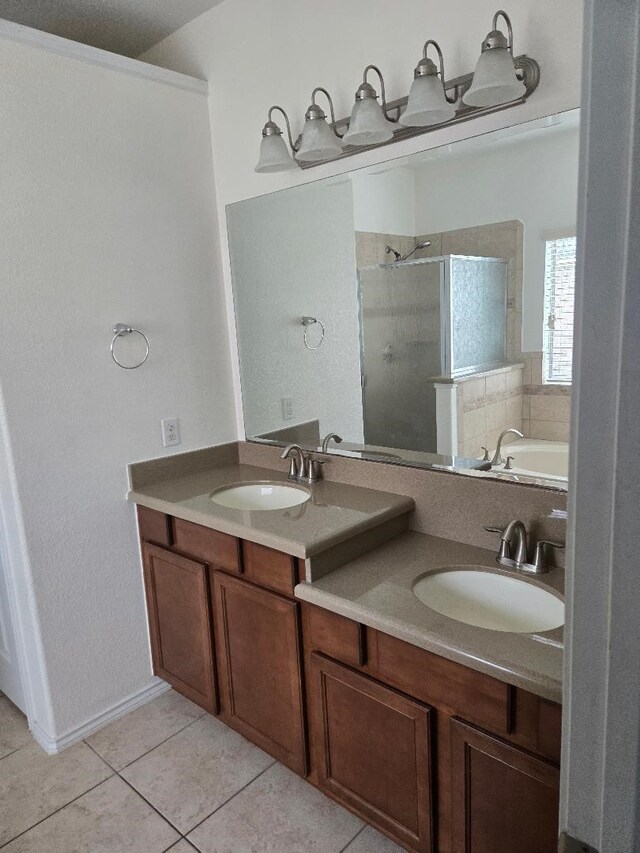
<point>370,124</point>
<point>274,154</point>
<point>318,140</point>
<point>428,101</point>
<point>495,80</point>
<point>500,81</point>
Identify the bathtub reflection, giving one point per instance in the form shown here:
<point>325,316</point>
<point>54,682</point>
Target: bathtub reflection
<point>534,457</point>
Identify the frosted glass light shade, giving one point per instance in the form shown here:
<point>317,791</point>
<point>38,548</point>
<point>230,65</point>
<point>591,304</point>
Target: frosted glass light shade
<point>318,142</point>
<point>427,104</point>
<point>494,80</point>
<point>274,155</point>
<point>368,124</point>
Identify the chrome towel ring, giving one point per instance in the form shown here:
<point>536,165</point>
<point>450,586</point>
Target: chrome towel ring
<point>119,330</point>
<point>311,321</point>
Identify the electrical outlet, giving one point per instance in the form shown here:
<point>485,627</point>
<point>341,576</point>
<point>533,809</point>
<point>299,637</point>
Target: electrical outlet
<point>170,432</point>
<point>287,408</point>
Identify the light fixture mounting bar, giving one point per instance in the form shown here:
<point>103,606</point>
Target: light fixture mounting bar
<point>527,69</point>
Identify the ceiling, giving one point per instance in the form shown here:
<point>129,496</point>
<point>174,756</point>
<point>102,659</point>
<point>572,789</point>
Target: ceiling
<point>128,27</point>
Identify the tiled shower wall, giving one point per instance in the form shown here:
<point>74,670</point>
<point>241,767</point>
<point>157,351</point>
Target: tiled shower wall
<point>545,409</point>
<point>370,247</point>
<point>487,405</point>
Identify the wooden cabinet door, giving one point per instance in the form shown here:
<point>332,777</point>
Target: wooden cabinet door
<point>259,654</point>
<point>503,799</point>
<point>374,752</point>
<point>179,608</point>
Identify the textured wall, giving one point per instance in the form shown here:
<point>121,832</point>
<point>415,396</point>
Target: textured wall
<point>107,216</point>
<point>293,255</point>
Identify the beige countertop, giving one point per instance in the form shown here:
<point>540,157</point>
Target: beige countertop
<point>334,514</point>
<point>347,526</point>
<point>376,590</point>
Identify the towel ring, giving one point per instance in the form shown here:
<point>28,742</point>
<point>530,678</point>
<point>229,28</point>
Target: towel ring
<point>121,329</point>
<point>311,321</point>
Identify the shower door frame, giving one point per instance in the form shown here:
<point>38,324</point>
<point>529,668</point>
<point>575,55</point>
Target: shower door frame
<point>444,282</point>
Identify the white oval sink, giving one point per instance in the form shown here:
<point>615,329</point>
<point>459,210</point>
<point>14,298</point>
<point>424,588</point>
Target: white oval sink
<point>254,496</point>
<point>490,600</point>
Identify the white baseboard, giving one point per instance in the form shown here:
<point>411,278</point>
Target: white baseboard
<point>53,745</point>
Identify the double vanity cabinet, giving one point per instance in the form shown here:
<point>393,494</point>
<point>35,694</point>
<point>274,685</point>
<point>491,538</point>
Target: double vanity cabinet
<point>437,755</point>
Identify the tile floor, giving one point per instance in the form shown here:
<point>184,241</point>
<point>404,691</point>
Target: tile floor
<point>167,777</point>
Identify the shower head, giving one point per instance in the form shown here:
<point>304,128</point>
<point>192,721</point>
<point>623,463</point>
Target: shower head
<point>389,250</point>
<point>423,245</point>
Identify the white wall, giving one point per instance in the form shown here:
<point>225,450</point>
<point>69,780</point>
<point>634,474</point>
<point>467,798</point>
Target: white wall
<point>601,709</point>
<point>259,52</point>
<point>293,255</point>
<point>107,216</point>
<point>385,202</point>
<point>533,178</point>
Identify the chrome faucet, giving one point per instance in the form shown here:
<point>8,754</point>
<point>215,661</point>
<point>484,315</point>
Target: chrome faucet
<point>303,468</point>
<point>293,452</point>
<point>515,533</point>
<point>325,441</point>
<point>497,456</point>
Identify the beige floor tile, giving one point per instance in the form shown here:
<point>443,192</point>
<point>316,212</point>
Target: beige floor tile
<point>192,774</point>
<point>182,847</point>
<point>33,784</point>
<point>140,731</point>
<point>278,813</point>
<point>111,818</point>
<point>371,841</point>
<point>14,731</point>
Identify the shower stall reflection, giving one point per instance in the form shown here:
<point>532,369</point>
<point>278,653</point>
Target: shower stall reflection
<point>424,322</point>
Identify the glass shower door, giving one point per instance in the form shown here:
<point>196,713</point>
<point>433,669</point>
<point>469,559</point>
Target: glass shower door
<point>401,351</point>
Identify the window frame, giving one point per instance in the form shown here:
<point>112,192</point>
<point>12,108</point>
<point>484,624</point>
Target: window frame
<point>550,237</point>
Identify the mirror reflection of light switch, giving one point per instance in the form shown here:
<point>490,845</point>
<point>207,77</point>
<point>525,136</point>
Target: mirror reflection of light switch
<point>287,408</point>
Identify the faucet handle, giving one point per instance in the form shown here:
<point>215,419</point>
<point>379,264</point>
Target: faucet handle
<point>485,458</point>
<point>541,547</point>
<point>293,468</point>
<point>314,473</point>
<point>504,552</point>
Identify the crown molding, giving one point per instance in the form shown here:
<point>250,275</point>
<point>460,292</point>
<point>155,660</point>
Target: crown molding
<point>104,58</point>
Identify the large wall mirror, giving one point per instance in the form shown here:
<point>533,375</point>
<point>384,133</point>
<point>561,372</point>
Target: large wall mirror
<point>418,309</point>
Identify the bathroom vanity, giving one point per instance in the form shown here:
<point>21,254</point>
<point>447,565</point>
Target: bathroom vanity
<point>442,735</point>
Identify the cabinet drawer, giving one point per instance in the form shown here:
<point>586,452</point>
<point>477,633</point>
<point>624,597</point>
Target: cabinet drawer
<point>433,679</point>
<point>549,729</point>
<point>217,549</point>
<point>269,568</point>
<point>335,636</point>
<point>154,526</point>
